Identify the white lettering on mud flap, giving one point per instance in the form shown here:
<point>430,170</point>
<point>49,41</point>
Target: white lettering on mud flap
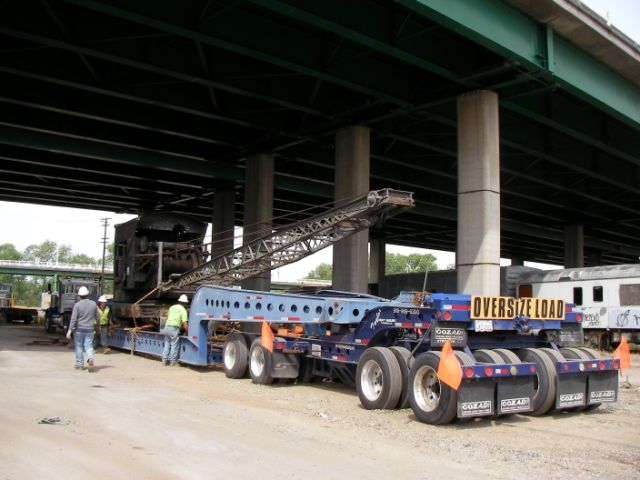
<point>521,404</point>
<point>472,409</point>
<point>602,396</point>
<point>571,399</point>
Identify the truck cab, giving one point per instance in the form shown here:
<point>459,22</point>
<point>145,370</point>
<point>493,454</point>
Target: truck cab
<point>58,314</point>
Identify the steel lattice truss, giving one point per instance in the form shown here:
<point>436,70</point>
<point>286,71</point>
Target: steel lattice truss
<point>294,242</point>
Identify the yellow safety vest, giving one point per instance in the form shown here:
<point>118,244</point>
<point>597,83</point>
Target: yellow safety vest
<point>176,316</point>
<point>104,316</point>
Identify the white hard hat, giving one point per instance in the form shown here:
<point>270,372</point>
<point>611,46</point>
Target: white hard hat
<point>83,291</point>
<point>183,299</point>
<point>102,299</point>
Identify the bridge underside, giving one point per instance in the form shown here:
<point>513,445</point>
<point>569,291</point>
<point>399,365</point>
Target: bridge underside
<point>153,106</point>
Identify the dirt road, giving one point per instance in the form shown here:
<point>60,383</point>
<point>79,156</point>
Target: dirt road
<point>134,418</point>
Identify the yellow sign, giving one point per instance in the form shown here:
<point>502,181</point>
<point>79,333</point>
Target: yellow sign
<point>506,308</point>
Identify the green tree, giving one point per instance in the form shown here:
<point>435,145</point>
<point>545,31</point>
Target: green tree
<point>108,258</point>
<point>27,290</point>
<point>81,259</point>
<point>9,252</point>
<point>414,262</point>
<point>323,271</point>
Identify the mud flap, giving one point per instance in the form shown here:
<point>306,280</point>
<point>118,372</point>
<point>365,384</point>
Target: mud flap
<point>571,391</point>
<point>602,387</point>
<point>284,365</point>
<point>475,398</point>
<point>515,395</point>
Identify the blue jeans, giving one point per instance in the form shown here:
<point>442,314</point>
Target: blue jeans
<point>83,340</point>
<point>171,344</point>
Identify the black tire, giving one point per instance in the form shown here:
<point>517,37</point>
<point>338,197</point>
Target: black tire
<point>571,353</point>
<point>545,386</point>
<point>432,401</point>
<point>404,358</point>
<point>235,356</point>
<point>378,379</point>
<point>305,371</point>
<point>591,354</point>
<point>555,357</point>
<point>260,364</point>
<point>487,356</point>
<point>48,327</point>
<point>507,355</point>
<point>66,320</point>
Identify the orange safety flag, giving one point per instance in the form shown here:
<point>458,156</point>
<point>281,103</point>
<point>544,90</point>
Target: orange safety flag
<point>623,353</point>
<point>449,369</point>
<point>267,338</point>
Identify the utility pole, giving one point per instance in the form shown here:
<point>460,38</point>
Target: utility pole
<point>105,224</point>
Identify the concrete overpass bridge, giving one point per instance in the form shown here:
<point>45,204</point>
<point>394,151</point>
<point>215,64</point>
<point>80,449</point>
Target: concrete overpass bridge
<point>53,269</point>
<point>515,122</point>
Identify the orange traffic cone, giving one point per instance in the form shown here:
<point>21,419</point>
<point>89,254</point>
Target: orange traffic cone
<point>623,353</point>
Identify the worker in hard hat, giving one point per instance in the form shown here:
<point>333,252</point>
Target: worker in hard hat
<point>177,318</point>
<point>83,317</point>
<point>104,324</point>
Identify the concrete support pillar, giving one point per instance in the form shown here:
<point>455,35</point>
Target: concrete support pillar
<point>478,252</point>
<point>573,246</point>
<point>377,259</point>
<point>258,209</point>
<point>350,269</point>
<point>222,221</point>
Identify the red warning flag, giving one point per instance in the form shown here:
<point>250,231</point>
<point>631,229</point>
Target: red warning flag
<point>449,369</point>
<point>623,353</point>
<point>267,338</point>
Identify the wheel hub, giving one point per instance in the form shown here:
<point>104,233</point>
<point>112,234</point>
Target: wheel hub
<point>372,380</point>
<point>427,389</point>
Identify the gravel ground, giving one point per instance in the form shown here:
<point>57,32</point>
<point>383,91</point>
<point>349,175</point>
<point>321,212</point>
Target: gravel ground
<point>135,418</point>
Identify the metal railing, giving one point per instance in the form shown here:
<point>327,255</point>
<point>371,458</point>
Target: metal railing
<point>36,265</point>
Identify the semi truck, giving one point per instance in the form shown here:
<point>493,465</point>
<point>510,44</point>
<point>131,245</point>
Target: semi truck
<point>61,300</point>
<point>10,311</point>
<point>514,355</point>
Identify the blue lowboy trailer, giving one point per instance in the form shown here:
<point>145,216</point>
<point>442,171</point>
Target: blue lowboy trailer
<point>516,355</point>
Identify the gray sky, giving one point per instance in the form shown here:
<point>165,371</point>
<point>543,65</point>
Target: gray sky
<point>25,224</point>
<point>624,14</point>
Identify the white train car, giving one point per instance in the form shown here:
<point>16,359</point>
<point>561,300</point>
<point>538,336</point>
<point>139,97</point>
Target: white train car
<point>608,296</point>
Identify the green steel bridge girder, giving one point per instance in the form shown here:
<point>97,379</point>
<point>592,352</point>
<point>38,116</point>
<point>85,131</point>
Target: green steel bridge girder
<point>69,145</point>
<point>506,31</point>
<point>626,93</point>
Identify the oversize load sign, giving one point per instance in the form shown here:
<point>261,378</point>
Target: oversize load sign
<point>506,308</point>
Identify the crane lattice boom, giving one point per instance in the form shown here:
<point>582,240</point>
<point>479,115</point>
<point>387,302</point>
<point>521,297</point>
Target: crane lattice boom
<point>294,242</point>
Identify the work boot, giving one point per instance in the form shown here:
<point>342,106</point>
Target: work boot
<point>173,364</point>
<point>106,350</point>
<point>90,364</point>
<point>78,367</point>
